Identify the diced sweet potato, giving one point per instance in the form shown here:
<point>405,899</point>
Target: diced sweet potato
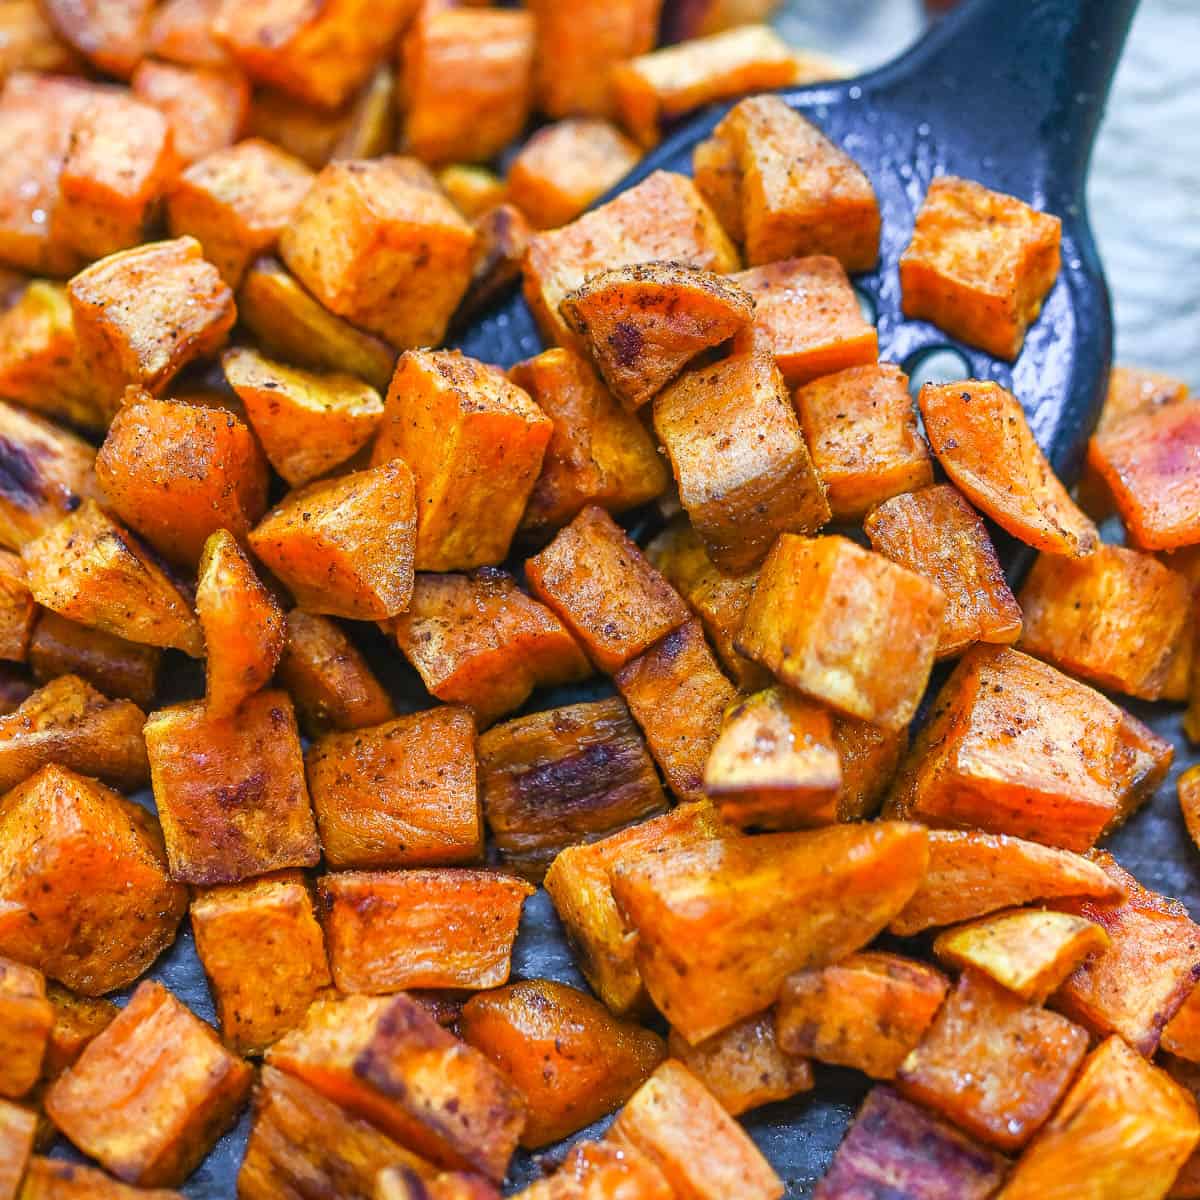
<point>379,243</point>
<point>711,16</point>
<point>1181,1036</point>
<point>264,955</point>
<point>662,219</point>
<point>679,1125</point>
<point>344,546</point>
<point>170,1090</point>
<point>775,763</point>
<point>386,1059</point>
<point>580,885</point>
<point>77,1020</point>
<point>501,238</point>
<point>47,473</point>
<point>901,1151</point>
<point>863,434</point>
<point>182,32</point>
<point>564,776</point>
<point>590,1171</point>
<point>17,609</point>
<point>869,758</point>
<point>17,1128</point>
<point>28,42</point>
<point>57,1179</point>
<point>572,1061</point>
<point>722,924</point>
<point>474,189</point>
<point>177,472</point>
<point>205,107</point>
<point>479,640</point>
<point>112,34</point>
<point>867,1011</point>
<point>744,1066</point>
<point>1124,1129</point>
<point>1141,980</point>
<point>393,930</point>
<point>15,688</point>
<point>807,315</point>
<point>1188,788</point>
<point>844,626</point>
<point>401,794</point>
<point>475,443</point>
<point>116,667</point>
<point>301,1142</point>
<point>236,203</point>
<point>26,1018</point>
<point>143,314</point>
<point>1187,1181</point>
<point>979,265</point>
<point>88,569</point>
<point>291,324</point>
<point>936,533</point>
<point>795,193</point>
<point>739,503</point>
<point>230,791</point>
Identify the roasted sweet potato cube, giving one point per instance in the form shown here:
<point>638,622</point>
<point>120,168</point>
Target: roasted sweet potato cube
<point>112,34</point>
<point>868,1011</point>
<point>50,471</point>
<point>711,16</point>
<point>403,1183</point>
<point>386,1059</point>
<point>144,314</point>
<point>1124,1129</point>
<point>88,569</point>
<point>437,928</point>
<point>264,955</point>
<point>1188,789</point>
<point>77,1020</point>
<point>292,325</point>
<point>572,1061</point>
<point>26,1018</point>
<point>722,924</point>
<point>869,758</point>
<point>17,1128</point>
<point>590,1170</point>
<point>475,443</point>
<point>598,453</point>
<point>662,219</point>
<point>936,533</point>
<point>401,794</point>
<point>676,1122</point>
<point>775,764</point>
<point>171,1090</point>
<point>845,627</point>
<point>501,238</point>
<point>206,107</point>
<point>114,666</point>
<point>230,791</point>
<point>236,202</point>
<point>302,1141</point>
<point>643,324</point>
<point>17,609</point>
<point>795,191</point>
<point>1181,1036</point>
<point>15,687</point>
<point>564,167</point>
<point>58,1179</point>
<point>182,32</point>
<point>474,189</point>
<point>31,44</point>
<point>344,546</point>
<point>1115,618</point>
<point>1141,980</point>
<point>380,244</point>
<point>479,640</point>
<point>863,434</point>
<point>807,315</point>
<point>580,885</point>
<point>904,1152</point>
<point>564,776</point>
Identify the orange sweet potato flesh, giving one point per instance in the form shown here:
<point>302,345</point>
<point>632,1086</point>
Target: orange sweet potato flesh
<point>77,1020</point>
<point>982,439</point>
<point>206,107</point>
<point>867,1011</point>
<point>1189,801</point>
<point>869,758</point>
<point>501,239</point>
<point>57,1179</point>
<point>570,1058</point>
<point>17,1128</point>
<point>113,34</point>
<point>17,609</point>
<point>117,667</point>
<point>170,1087</point>
<point>721,925</point>
<point>26,1018</point>
<point>182,32</point>
<point>606,1170</point>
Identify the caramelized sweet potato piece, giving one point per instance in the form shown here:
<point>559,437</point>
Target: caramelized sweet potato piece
<point>475,443</point>
<point>807,315</point>
<point>501,238</point>
<point>775,764</point>
<point>722,924</point>
<point>393,930</point>
<point>17,609</point>
<point>386,1059</point>
<point>114,666</point>
<point>1188,787</point>
<point>77,1020</point>
<point>1124,1129</point>
<point>479,640</point>
<point>17,1128</point>
<point>144,314</point>
<point>230,791</point>
<point>206,107</point>
<point>28,42</point>
<point>702,17</point>
<point>379,243</point>
<point>1181,1036</point>
<point>112,34</point>
<point>869,758</point>
<point>401,794</point>
<point>936,533</point>
<point>26,1018</point>
<point>170,1087</point>
<point>264,955</point>
<point>56,1179</point>
<point>88,569</point>
<point>739,503</point>
<point>568,775</point>
<point>662,219</point>
<point>590,1171</point>
<point>475,190</point>
<point>572,1061</point>
<point>182,32</point>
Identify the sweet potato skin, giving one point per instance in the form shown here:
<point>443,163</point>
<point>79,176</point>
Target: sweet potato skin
<point>116,667</point>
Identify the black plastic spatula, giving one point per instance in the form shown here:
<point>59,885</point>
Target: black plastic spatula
<point>1006,92</point>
